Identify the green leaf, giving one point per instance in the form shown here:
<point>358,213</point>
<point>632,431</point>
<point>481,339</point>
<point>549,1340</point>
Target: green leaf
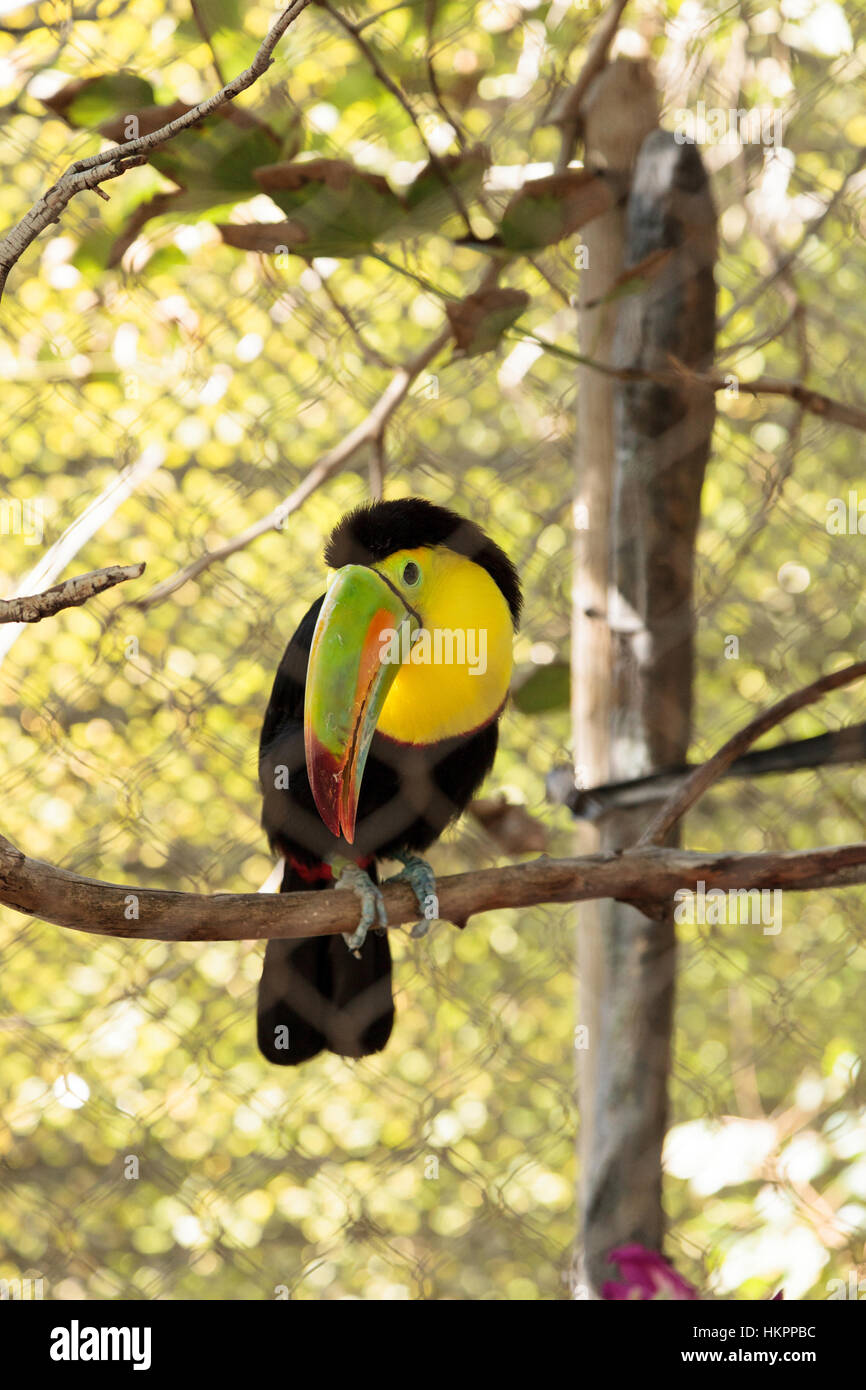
<point>428,197</point>
<point>92,253</point>
<point>333,209</point>
<point>541,689</point>
<point>547,210</point>
<point>224,23</point>
<point>266,238</point>
<point>214,160</point>
<point>212,164</point>
<point>89,102</point>
<point>636,279</point>
<point>217,159</point>
<point>479,321</point>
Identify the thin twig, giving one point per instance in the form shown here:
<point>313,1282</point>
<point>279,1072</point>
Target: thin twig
<point>815,402</point>
<point>114,161</point>
<point>32,608</point>
<point>430,9</point>
<point>368,352</point>
<point>208,39</point>
<point>399,95</point>
<point>330,463</point>
<point>709,772</point>
<point>60,555</point>
<point>364,433</point>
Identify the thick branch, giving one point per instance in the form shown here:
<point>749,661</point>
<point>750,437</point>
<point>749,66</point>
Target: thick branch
<point>648,876</point>
<point>112,162</point>
<point>32,608</point>
<point>709,772</point>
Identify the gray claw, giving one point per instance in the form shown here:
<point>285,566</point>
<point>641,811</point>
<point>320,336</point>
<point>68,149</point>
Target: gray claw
<point>357,881</point>
<point>421,879</point>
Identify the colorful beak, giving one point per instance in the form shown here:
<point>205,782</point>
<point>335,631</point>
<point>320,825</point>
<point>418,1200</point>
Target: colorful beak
<point>349,674</point>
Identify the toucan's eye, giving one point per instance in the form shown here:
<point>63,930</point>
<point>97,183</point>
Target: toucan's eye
<point>411,573</point>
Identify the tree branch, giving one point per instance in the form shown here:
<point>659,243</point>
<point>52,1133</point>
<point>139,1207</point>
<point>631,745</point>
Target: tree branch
<point>114,161</point>
<point>64,550</point>
<point>840,412</point>
<point>367,432</point>
<point>399,95</point>
<point>815,402</point>
<point>566,112</point>
<point>32,608</point>
<point>649,877</point>
<point>709,772</point>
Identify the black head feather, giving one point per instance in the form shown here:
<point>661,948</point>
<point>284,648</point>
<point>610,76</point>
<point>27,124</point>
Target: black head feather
<point>376,530</point>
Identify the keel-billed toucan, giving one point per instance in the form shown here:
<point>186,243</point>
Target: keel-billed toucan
<point>382,723</point>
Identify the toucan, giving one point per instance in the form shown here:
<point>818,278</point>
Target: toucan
<point>382,723</point>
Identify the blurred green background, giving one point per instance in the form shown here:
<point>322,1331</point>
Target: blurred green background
<point>146,1150</point>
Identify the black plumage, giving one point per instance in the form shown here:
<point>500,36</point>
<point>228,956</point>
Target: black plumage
<point>315,990</point>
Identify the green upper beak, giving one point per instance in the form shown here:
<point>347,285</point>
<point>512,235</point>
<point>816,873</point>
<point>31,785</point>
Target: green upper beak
<point>347,684</point>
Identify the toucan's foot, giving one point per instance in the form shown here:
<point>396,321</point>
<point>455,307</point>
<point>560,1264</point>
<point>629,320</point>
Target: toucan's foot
<point>421,879</point>
<point>372,905</point>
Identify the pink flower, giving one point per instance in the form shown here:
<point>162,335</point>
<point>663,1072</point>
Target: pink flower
<point>645,1275</point>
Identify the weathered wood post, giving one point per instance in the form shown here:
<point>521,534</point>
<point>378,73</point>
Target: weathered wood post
<point>622,89</point>
<point>642,700</point>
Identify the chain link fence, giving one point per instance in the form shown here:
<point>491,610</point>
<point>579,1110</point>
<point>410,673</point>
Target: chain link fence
<point>146,1149</point>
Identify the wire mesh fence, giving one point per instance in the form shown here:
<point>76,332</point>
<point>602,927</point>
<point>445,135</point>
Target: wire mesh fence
<point>148,1151</point>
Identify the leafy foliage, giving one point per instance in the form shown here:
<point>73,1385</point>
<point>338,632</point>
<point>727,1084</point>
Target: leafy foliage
<point>479,321</point>
<point>443,1168</point>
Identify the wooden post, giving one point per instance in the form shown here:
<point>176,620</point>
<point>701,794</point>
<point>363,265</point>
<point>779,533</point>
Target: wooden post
<point>662,439</point>
<point>617,113</point>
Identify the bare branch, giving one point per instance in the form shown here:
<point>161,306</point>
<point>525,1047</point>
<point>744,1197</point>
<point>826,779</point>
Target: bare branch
<point>114,161</point>
<point>32,608</point>
<point>840,412</point>
<point>647,876</point>
<point>815,402</point>
<point>399,95</point>
<point>367,432</point>
<point>709,772</point>
<point>567,114</point>
<point>203,30</point>
<point>60,555</point>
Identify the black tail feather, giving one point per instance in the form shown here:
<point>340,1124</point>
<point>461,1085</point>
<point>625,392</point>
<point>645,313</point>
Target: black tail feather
<point>315,995</point>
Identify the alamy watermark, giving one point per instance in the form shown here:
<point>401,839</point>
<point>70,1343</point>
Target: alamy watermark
<point>716,125</point>
<point>26,519</point>
<point>749,907</point>
<point>439,646</point>
<point>847,516</point>
<point>77,1343</point>
<point>22,1290</point>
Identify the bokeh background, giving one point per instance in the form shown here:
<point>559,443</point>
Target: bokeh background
<point>154,409</point>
